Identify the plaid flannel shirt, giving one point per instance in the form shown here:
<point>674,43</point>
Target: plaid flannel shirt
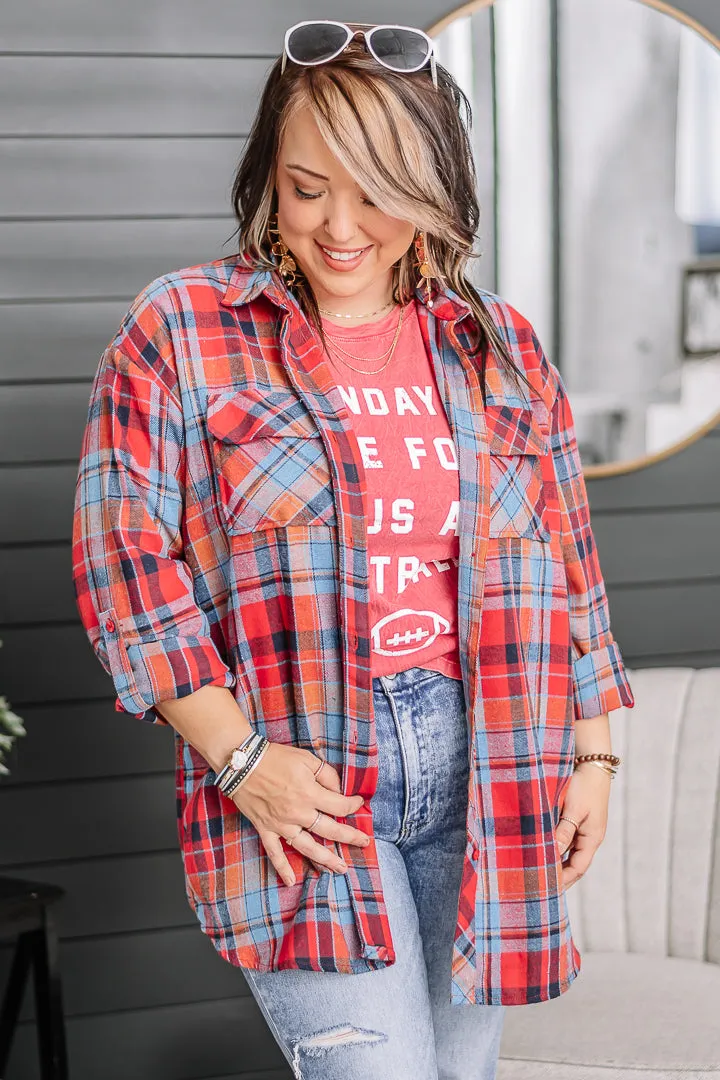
<point>220,538</point>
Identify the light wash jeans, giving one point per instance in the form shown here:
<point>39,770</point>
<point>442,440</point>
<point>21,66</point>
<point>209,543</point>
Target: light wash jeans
<point>397,1023</point>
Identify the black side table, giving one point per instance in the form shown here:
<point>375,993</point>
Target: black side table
<point>24,916</point>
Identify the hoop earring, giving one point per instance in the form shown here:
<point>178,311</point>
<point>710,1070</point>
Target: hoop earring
<point>287,265</point>
<point>423,265</point>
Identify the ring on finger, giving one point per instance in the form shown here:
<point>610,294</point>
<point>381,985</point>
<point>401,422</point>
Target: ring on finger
<point>291,839</point>
<point>317,771</point>
<point>317,818</point>
<point>564,818</point>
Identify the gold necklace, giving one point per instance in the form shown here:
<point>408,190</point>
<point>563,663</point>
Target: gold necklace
<point>374,337</point>
<point>364,371</point>
<point>340,315</point>
<point>362,359</point>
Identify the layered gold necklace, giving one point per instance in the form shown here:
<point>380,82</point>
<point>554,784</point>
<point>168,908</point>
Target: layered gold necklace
<point>385,356</point>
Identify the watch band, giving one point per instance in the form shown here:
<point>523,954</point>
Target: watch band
<point>238,773</point>
<point>238,759</point>
<point>241,777</point>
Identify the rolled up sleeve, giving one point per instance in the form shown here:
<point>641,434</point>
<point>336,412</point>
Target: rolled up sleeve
<point>600,682</point>
<point>133,589</point>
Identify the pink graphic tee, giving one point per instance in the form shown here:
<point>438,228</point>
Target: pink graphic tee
<point>411,466</point>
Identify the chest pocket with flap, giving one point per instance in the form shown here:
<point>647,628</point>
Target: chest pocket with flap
<point>270,461</point>
<point>517,497</point>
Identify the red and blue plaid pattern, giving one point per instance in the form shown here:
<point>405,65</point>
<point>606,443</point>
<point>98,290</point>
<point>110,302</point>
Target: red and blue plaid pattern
<point>220,538</point>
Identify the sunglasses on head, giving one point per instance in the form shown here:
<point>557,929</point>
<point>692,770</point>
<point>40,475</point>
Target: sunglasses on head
<point>399,48</point>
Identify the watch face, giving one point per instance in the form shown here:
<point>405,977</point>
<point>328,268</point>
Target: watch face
<point>239,759</point>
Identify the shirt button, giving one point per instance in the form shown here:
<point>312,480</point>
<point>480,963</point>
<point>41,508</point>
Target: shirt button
<point>109,626</point>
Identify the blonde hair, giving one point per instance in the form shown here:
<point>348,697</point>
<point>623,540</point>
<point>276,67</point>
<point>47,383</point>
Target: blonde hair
<point>405,142</point>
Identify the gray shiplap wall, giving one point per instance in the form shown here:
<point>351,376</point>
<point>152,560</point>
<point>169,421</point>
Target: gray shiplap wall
<point>119,132</point>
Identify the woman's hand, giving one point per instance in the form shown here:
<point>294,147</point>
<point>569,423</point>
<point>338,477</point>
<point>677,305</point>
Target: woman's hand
<point>282,795</point>
<point>586,801</point>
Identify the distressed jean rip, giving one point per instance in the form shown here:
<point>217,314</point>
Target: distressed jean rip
<point>325,1041</point>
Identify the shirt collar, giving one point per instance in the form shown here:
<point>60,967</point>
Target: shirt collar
<point>247,282</point>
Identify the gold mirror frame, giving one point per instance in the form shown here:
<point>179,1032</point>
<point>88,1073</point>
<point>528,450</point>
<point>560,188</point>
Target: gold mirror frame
<point>633,464</point>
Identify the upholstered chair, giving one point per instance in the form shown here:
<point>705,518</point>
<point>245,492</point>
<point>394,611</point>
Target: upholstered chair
<point>646,915</point>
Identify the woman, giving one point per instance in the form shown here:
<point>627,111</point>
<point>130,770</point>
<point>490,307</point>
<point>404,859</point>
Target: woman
<point>331,527</point>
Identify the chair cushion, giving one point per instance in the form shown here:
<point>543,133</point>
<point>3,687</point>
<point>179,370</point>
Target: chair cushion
<point>624,1012</point>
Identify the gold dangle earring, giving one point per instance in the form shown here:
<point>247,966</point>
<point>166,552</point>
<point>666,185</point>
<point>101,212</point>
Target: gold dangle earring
<point>423,265</point>
<point>279,248</point>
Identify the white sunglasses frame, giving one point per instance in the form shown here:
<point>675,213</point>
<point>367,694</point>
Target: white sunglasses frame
<point>366,29</point>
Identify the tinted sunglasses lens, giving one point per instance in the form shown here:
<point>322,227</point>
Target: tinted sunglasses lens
<point>317,42</point>
<point>402,50</point>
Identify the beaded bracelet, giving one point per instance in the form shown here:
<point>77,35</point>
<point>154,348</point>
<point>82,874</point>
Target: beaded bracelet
<point>612,758</point>
<point>607,762</point>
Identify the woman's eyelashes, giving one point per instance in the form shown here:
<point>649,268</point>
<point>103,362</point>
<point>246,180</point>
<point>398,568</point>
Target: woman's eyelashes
<point>307,194</point>
<point>316,195</point>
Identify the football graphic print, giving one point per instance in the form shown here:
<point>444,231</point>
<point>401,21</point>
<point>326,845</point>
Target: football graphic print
<point>407,631</point>
<point>411,467</point>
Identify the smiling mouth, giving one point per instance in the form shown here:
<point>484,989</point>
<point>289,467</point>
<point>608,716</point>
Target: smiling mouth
<point>342,256</point>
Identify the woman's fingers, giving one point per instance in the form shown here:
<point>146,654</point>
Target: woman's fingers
<point>280,797</point>
<point>565,834</point>
<point>323,857</point>
<point>277,856</point>
<point>333,830</point>
<point>327,776</point>
<point>335,804</point>
<point>580,858</point>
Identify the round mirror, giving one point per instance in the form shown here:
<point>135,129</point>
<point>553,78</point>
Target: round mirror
<point>596,134</point>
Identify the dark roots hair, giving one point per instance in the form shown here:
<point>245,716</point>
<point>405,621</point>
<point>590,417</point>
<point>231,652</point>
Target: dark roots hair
<point>406,142</point>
